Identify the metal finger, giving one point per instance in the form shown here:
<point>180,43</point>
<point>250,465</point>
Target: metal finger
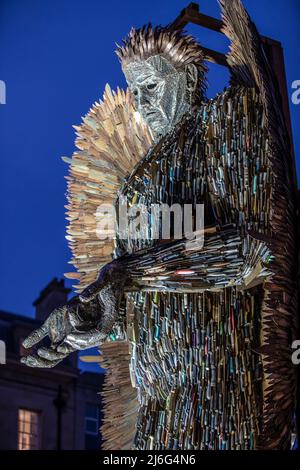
<point>36,361</point>
<point>51,354</point>
<point>84,340</point>
<point>36,336</point>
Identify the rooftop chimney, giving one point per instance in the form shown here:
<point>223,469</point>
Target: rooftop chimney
<point>54,295</point>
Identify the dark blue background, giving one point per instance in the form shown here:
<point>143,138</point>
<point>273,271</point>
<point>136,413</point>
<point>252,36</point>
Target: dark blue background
<point>55,57</point>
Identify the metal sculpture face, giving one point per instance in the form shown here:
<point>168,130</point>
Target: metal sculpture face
<point>160,92</point>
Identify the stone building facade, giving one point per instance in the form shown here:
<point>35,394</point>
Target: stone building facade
<point>45,409</point>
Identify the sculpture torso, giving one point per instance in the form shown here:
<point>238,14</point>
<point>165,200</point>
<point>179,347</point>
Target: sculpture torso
<point>192,354</point>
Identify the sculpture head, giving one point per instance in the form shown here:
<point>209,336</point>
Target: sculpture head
<point>165,72</point>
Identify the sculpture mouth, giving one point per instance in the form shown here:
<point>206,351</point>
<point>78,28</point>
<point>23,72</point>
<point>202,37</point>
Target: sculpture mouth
<point>150,113</point>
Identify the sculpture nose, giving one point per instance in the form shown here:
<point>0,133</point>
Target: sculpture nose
<point>143,99</point>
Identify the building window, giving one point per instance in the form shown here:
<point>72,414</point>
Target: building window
<point>92,433</point>
<point>29,430</point>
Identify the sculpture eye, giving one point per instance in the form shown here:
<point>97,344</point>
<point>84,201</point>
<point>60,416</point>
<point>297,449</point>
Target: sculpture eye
<point>151,86</point>
<point>135,92</point>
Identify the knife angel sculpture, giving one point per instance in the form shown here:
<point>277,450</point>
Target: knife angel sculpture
<point>199,346</point>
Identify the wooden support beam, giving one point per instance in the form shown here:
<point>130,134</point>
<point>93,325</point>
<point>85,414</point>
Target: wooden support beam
<point>191,14</point>
<point>215,57</point>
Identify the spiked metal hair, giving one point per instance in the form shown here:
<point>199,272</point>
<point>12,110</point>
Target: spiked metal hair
<point>176,46</point>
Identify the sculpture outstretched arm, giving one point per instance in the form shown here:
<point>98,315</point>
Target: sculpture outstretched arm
<point>187,264</point>
<point>212,260</point>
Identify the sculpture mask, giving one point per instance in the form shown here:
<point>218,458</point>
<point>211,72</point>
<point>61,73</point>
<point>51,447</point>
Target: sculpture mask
<point>161,91</point>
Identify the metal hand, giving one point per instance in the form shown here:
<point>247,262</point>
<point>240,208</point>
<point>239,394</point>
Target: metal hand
<point>82,323</point>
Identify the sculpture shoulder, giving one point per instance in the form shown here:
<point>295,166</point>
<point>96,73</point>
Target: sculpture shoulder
<point>233,104</point>
<point>230,93</point>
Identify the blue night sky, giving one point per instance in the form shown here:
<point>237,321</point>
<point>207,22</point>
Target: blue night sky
<point>56,57</point>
